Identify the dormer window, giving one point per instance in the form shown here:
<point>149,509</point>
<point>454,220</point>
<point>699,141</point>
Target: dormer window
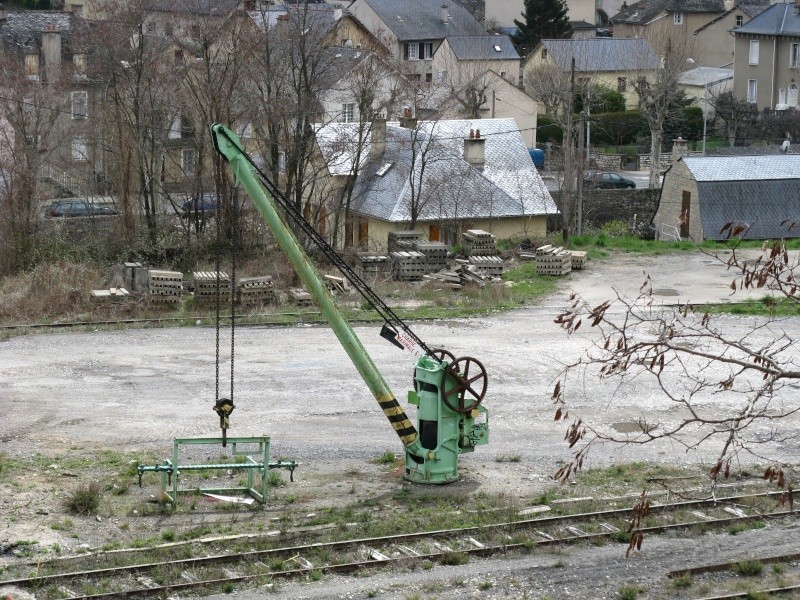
<point>739,20</point>
<point>677,18</point>
<point>80,105</point>
<point>79,62</point>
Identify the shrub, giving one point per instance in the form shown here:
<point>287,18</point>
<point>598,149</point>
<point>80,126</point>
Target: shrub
<point>85,499</point>
<point>748,568</point>
<point>548,131</point>
<point>617,128</point>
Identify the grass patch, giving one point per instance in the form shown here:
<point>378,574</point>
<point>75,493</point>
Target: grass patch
<point>740,527</point>
<point>507,458</point>
<point>454,558</point>
<point>767,306</point>
<point>387,458</point>
<point>748,568</point>
<point>629,592</point>
<point>275,479</point>
<point>85,499</point>
<point>683,582</point>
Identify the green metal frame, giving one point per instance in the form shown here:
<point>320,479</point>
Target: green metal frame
<point>257,485</point>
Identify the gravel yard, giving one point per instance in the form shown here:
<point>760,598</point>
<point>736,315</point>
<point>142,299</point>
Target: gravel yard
<point>79,394</point>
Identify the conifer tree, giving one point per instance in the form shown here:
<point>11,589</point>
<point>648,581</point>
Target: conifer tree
<point>544,20</point>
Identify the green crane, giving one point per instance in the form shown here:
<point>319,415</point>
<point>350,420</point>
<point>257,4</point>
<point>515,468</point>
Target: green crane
<point>447,391</point>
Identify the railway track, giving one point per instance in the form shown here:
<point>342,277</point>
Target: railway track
<point>264,562</point>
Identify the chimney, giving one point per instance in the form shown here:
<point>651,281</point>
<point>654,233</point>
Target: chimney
<point>407,120</point>
<point>249,5</point>
<point>377,144</point>
<point>337,13</point>
<point>680,148</point>
<point>51,49</point>
<point>475,149</point>
<point>728,5</point>
<point>445,14</point>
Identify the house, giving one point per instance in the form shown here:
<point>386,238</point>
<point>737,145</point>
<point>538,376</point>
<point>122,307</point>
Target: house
<point>766,70</point>
<point>701,194</point>
<point>461,58</point>
<point>435,174</point>
<point>47,54</point>
<point>502,13</point>
<point>413,30</point>
<point>702,84</point>
<point>703,25</point>
<point>351,78</point>
<point>499,99</point>
<point>608,62</point>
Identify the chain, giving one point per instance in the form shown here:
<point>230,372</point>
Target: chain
<point>234,241</point>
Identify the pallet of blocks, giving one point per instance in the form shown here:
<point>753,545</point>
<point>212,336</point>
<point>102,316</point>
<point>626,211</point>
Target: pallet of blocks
<point>477,242</point>
<point>300,297</point>
<point>555,261</point>
<point>370,263</point>
<point>403,240</point>
<point>487,265</point>
<point>254,291</point>
<point>109,295</point>
<point>164,287</point>
<point>205,286</point>
<point>408,266</point>
<point>435,254</point>
<point>578,259</point>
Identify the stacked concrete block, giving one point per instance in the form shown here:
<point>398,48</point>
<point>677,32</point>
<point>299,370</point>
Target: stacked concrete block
<point>477,242</point>
<point>164,287</point>
<point>435,254</point>
<point>371,264</point>
<point>400,241</point>
<point>254,291</point>
<point>487,265</point>
<point>300,297</point>
<point>578,259</point>
<point>205,286</point>
<point>553,261</point>
<point>409,266</point>
<point>109,295</point>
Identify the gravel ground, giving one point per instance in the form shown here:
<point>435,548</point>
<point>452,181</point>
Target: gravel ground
<point>139,389</point>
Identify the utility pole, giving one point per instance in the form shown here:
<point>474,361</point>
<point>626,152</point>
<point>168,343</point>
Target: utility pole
<point>493,100</point>
<point>569,175</point>
<point>581,170</point>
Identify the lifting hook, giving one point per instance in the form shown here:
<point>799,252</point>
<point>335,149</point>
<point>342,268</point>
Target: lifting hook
<point>224,407</point>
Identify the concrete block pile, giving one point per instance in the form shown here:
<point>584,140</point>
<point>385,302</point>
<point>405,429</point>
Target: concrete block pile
<point>205,286</point>
<point>435,254</point>
<point>164,287</point>
<point>553,261</point>
<point>409,266</point>
<point>400,241</point>
<point>476,242</point>
<point>255,291</point>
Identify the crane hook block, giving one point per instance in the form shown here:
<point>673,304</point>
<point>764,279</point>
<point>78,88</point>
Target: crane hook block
<point>224,407</point>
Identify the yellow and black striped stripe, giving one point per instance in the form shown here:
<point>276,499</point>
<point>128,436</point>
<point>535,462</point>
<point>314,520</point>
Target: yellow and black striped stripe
<point>397,417</point>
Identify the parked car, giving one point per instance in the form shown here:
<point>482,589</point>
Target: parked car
<point>201,203</point>
<point>79,208</point>
<point>607,181</point>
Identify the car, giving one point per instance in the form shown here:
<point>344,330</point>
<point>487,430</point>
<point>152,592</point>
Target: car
<point>201,203</point>
<point>79,208</point>
<point>607,181</point>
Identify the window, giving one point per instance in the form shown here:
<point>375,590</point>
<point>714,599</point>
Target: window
<point>80,105</point>
<point>752,91</point>
<point>544,53</point>
<point>187,161</point>
<point>753,52</point>
<point>677,18</point>
<point>79,151</point>
<point>175,129</point>
<point>79,62</point>
<point>622,84</point>
<point>792,99</point>
<point>178,57</point>
<point>428,77</point>
<point>411,51</point>
<point>441,77</point>
<point>794,56</point>
<point>169,29</point>
<point>32,66</point>
<point>418,50</point>
<point>348,112</point>
<point>281,161</point>
<point>739,20</point>
<point>503,74</point>
<point>426,50</point>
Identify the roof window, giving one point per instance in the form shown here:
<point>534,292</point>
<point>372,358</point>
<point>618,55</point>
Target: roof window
<point>497,48</point>
<point>384,169</point>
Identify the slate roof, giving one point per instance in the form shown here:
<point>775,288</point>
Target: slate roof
<point>21,30</point>
<point>509,185</point>
<point>758,191</point>
<point>695,6</point>
<point>778,19</point>
<point>482,47</point>
<point>640,12</point>
<point>214,8</point>
<point>702,76</point>
<point>602,54</point>
<point>421,19</point>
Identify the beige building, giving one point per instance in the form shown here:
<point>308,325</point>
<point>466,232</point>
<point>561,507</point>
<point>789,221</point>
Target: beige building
<point>607,62</point>
<point>434,174</point>
<point>413,30</point>
<point>766,68</point>
<point>462,58</point>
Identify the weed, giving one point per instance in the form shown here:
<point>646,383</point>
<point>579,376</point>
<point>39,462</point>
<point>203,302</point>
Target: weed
<point>387,458</point>
<point>454,558</point>
<point>504,458</point>
<point>64,524</point>
<point>485,585</point>
<point>748,568</point>
<point>275,479</point>
<point>757,596</point>
<point>372,593</point>
<point>315,575</point>
<point>629,592</point>
<point>683,581</point>
<point>427,565</point>
<point>778,568</point>
<point>290,498</point>
<point>85,499</point>
<point>168,535</point>
<point>740,527</point>
<point>228,588</point>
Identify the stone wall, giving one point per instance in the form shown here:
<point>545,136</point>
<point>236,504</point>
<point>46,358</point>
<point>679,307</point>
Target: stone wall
<point>601,206</point>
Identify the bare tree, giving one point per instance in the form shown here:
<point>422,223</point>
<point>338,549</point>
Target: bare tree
<point>657,88</point>
<point>690,357</point>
